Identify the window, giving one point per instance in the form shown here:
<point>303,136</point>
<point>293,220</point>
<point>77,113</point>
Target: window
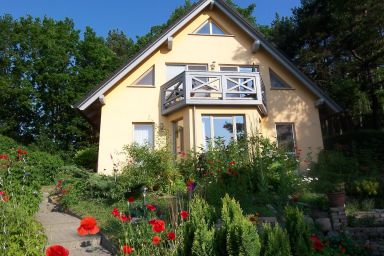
<point>143,134</point>
<point>226,127</point>
<point>244,69</point>
<point>178,136</point>
<point>146,79</point>
<point>209,28</point>
<point>174,70</point>
<point>277,82</point>
<point>286,137</point>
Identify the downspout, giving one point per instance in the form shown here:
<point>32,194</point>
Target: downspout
<point>194,128</point>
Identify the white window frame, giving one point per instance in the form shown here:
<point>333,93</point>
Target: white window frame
<point>238,67</point>
<point>186,67</point>
<point>150,144</point>
<point>210,21</point>
<point>211,125</point>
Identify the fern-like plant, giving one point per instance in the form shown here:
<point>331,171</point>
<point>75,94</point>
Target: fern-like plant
<point>275,241</point>
<point>298,231</point>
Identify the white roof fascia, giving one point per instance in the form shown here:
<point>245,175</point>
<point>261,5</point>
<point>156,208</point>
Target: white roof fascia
<point>125,70</point>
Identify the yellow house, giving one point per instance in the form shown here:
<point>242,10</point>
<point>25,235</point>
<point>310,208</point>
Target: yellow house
<point>211,74</point>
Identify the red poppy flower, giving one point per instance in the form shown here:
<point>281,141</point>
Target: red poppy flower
<point>131,199</point>
<point>156,240</point>
<point>115,212</point>
<point>184,214</point>
<point>316,243</point>
<point>232,163</point>
<point>171,236</point>
<point>157,225</point>
<point>125,218</point>
<point>127,249</point>
<point>151,207</point>
<point>5,157</point>
<point>4,197</point>
<point>88,225</point>
<point>56,250</point>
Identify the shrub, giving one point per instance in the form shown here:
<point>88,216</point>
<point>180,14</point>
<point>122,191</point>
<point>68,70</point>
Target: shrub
<point>43,166</point>
<point>332,170</point>
<point>199,230</point>
<point>87,157</point>
<point>153,168</point>
<point>298,231</point>
<point>275,241</point>
<point>237,236</point>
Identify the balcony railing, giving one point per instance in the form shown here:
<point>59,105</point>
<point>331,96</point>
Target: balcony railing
<point>213,88</point>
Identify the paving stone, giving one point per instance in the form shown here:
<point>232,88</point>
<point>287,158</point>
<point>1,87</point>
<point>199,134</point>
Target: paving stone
<point>61,229</point>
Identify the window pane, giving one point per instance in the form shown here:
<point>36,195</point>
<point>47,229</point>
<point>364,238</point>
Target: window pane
<point>174,70</point>
<point>285,137</point>
<point>178,136</point>
<point>276,81</point>
<point>223,128</point>
<point>197,67</point>
<point>143,134</point>
<point>204,30</point>
<point>240,127</point>
<point>229,69</point>
<point>216,30</point>
<point>247,69</point>
<point>206,131</point>
<point>148,78</point>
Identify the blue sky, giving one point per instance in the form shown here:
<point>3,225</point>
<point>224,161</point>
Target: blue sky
<point>134,17</point>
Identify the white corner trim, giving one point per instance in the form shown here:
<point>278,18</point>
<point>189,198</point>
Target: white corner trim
<point>102,99</point>
<point>256,46</point>
<point>170,43</point>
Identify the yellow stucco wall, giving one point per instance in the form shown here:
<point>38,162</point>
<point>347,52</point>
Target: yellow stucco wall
<point>127,104</point>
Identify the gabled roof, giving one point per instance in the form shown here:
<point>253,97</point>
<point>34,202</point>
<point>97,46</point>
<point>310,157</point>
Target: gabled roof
<point>108,83</point>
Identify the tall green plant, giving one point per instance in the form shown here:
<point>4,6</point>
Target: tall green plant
<point>199,230</point>
<point>237,236</point>
<point>275,241</point>
<point>298,231</point>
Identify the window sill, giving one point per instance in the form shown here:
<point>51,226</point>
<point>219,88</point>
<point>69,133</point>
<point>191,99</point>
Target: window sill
<point>141,86</point>
<point>282,89</point>
<point>211,35</point>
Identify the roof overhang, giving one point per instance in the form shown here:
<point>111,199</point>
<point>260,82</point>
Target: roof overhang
<point>106,85</point>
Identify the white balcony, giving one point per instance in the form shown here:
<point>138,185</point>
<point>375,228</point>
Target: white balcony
<point>213,88</point>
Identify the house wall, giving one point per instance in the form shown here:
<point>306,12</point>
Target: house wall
<point>126,104</point>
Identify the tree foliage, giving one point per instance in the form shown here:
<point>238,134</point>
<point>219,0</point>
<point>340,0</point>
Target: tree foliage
<point>340,45</point>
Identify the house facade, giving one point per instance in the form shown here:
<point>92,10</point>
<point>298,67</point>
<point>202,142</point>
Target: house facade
<point>209,75</point>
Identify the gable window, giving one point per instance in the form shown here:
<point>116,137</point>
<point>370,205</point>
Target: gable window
<point>224,127</point>
<point>143,134</point>
<point>277,82</point>
<point>146,79</point>
<point>285,134</point>
<point>209,28</point>
<point>176,69</point>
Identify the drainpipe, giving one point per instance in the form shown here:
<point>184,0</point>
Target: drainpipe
<point>194,127</point>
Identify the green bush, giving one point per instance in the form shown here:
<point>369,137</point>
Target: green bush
<point>87,157</point>
<point>333,171</point>
<point>298,231</point>
<point>153,168</point>
<point>237,235</point>
<point>275,241</point>
<point>43,166</point>
<point>199,230</point>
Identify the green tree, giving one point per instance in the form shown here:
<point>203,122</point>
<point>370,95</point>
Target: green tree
<point>340,45</point>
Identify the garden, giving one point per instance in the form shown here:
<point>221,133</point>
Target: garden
<point>244,198</point>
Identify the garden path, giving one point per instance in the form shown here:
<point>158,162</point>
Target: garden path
<point>61,229</point>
